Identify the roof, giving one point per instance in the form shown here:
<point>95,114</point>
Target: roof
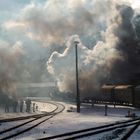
<point>137,87</point>
<point>108,87</point>
<point>121,87</point>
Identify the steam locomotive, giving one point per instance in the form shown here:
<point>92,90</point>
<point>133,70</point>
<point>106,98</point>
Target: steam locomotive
<point>117,95</point>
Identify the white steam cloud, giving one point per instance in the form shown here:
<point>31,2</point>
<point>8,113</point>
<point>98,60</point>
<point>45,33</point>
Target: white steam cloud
<point>103,27</point>
<point>94,64</point>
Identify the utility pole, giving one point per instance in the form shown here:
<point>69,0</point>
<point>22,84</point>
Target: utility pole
<point>77,81</point>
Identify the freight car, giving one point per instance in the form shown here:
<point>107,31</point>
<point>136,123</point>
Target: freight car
<point>117,95</point>
<point>136,97</point>
<point>124,94</point>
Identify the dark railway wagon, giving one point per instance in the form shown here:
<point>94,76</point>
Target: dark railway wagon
<point>136,93</point>
<point>117,94</point>
<point>108,93</point>
<point>123,94</point>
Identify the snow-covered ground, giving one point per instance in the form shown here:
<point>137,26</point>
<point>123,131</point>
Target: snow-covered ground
<point>70,121</point>
<point>136,135</point>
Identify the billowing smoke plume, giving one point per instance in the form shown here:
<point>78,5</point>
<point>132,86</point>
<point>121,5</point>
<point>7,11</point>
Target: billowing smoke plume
<point>108,34</point>
<point>112,60</point>
<point>94,64</point>
<point>128,33</point>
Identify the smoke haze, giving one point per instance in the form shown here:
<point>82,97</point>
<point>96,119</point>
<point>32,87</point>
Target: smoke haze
<point>108,32</point>
<point>10,66</point>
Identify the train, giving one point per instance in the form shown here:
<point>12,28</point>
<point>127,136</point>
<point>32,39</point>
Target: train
<point>117,95</point>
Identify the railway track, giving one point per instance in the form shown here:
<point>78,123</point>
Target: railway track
<point>97,130</point>
<point>26,126</point>
<point>130,132</point>
<point>20,118</point>
<point>26,117</point>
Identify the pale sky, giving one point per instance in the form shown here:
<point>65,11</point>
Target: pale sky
<point>10,13</point>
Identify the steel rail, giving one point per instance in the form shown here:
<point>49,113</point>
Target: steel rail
<point>130,132</point>
<point>20,118</point>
